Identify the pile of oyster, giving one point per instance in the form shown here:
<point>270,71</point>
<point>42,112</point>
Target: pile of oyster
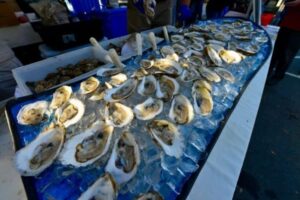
<point>196,57</point>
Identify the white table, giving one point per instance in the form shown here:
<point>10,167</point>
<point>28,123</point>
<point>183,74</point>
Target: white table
<point>218,177</point>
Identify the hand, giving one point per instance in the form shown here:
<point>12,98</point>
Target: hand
<point>149,7</point>
<point>185,13</point>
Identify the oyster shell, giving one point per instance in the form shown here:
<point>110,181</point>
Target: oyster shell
<point>89,85</point>
<point>222,37</point>
<point>70,113</point>
<point>248,50</point>
<point>181,111</point>
<point>225,74</point>
<point>147,86</point>
<point>262,39</point>
<point>146,64</point>
<point>231,57</point>
<point>169,53</point>
<point>87,147</point>
<point>60,96</point>
<point>197,46</point>
<point>166,88</point>
<point>121,92</point>
<point>217,42</point>
<point>189,75</point>
<point>148,109</point>
<point>203,103</point>
<point>109,71</point>
<point>140,73</point>
<point>168,66</point>
<point>99,93</point>
<point>150,196</point>
<point>125,158</point>
<point>32,114</point>
<point>167,136</point>
<point>179,49</point>
<point>197,61</point>
<point>213,55</point>
<point>118,114</point>
<point>209,74</point>
<point>40,153</point>
<point>118,79</point>
<point>104,188</point>
<point>176,38</point>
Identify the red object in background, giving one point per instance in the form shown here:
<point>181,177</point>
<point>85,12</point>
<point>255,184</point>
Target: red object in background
<point>266,18</point>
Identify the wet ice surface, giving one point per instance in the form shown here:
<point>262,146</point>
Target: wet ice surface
<point>157,171</point>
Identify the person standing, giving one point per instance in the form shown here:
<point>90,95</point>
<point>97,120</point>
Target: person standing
<point>217,8</point>
<point>287,43</point>
<point>189,11</point>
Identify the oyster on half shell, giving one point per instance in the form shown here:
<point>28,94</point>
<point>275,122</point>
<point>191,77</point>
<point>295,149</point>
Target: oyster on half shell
<point>203,102</point>
<point>181,111</point>
<point>167,136</point>
<point>121,92</point>
<point>148,109</point>
<point>70,113</point>
<point>40,153</point>
<point>87,147</point>
<point>168,66</point>
<point>103,189</point>
<point>231,57</point>
<point>213,55</point>
<point>89,85</point>
<point>125,158</point>
<point>60,96</point>
<point>166,88</point>
<point>150,196</point>
<point>209,74</point>
<point>118,114</point>
<point>225,74</point>
<point>169,53</point>
<point>33,113</point>
<point>147,86</point>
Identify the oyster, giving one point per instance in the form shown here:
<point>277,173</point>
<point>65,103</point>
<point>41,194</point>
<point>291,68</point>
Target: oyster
<point>140,73</point>
<point>33,113</point>
<point>125,158</point>
<point>70,113</point>
<point>118,114</point>
<point>189,75</point>
<point>169,53</point>
<point>121,92</point>
<point>209,74</point>
<point>217,48</point>
<point>89,85</point>
<point>147,86</point>
<point>213,55</point>
<point>197,46</point>
<point>87,147</point>
<point>198,40</point>
<point>118,79</point>
<point>192,34</point>
<point>166,88</point>
<point>203,103</point>
<point>248,50</point>
<point>179,48</point>
<point>217,42</point>
<point>104,188</point>
<point>99,93</point>
<point>146,64</point>
<point>167,136</point>
<point>109,71</point>
<point>197,61</point>
<point>231,57</point>
<point>60,96</point>
<point>168,66</point>
<point>176,38</point>
<point>148,109</point>
<point>40,153</point>
<point>150,196</point>
<point>225,74</point>
<point>181,111</point>
<point>262,39</point>
<point>222,37</point>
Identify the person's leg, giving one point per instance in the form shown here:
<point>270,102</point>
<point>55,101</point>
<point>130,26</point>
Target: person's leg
<point>292,45</point>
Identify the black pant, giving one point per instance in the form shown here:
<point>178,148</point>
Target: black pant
<point>286,46</point>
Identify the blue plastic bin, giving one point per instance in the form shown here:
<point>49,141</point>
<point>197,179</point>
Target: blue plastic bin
<point>86,7</point>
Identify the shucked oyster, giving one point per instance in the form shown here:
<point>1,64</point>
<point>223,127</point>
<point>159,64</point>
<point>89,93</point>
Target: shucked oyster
<point>209,74</point>
<point>147,86</point>
<point>121,92</point>
<point>225,74</point>
<point>148,109</point>
<point>60,96</point>
<point>167,136</point>
<point>99,93</point>
<point>40,153</point>
<point>150,196</point>
<point>169,53</point>
<point>168,66</point>
<point>104,188</point>
<point>70,113</point>
<point>166,88</point>
<point>125,158</point>
<point>231,57</point>
<point>189,75</point>
<point>203,103</point>
<point>89,85</point>
<point>109,71</point>
<point>181,111</point>
<point>118,79</point>
<point>87,147</point>
<point>118,114</point>
<point>213,55</point>
<point>146,64</point>
<point>33,113</point>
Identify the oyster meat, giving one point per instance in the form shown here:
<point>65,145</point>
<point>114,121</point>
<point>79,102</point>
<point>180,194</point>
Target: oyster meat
<point>70,113</point>
<point>60,96</point>
<point>148,109</point>
<point>118,79</point>
<point>147,86</point>
<point>168,66</point>
<point>146,64</point>
<point>213,55</point>
<point>169,53</point>
<point>209,74</point>
<point>167,136</point>
<point>166,88</point>
<point>123,91</point>
<point>150,196</point>
<point>231,57</point>
<point>103,189</point>
<point>89,85</point>
<point>189,75</point>
<point>179,49</point>
<point>125,158</point>
<point>40,153</point>
<point>181,111</point>
<point>203,103</point>
<point>32,114</point>
<point>99,93</point>
<point>225,74</point>
<point>87,147</point>
<point>118,114</point>
<point>176,38</point>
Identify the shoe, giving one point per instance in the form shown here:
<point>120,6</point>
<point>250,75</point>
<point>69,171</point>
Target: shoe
<point>273,80</point>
